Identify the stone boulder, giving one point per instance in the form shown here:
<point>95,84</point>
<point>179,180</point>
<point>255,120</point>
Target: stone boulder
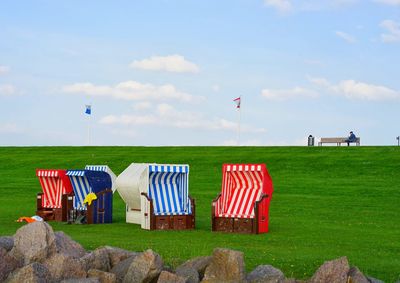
<point>116,255</point>
<point>98,259</point>
<point>7,243</point>
<point>67,246</point>
<point>33,273</point>
<point>81,280</point>
<point>189,274</point>
<point>356,276</point>
<point>121,268</point>
<point>168,277</point>
<point>104,277</point>
<point>334,271</point>
<point>145,267</point>
<point>34,242</point>
<point>266,274</point>
<point>8,264</point>
<point>226,266</point>
<point>62,266</point>
<point>198,264</point>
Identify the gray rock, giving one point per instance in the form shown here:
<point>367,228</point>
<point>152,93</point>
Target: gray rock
<point>32,273</point>
<point>34,242</point>
<point>226,266</point>
<point>145,268</point>
<point>168,277</point>
<point>266,274</point>
<point>7,243</point>
<point>62,266</point>
<point>116,255</point>
<point>65,245</point>
<point>199,264</point>
<point>121,268</point>
<point>189,274</point>
<point>8,264</point>
<point>81,280</point>
<point>374,280</point>
<point>104,277</point>
<point>334,271</point>
<point>356,276</point>
<point>98,259</point>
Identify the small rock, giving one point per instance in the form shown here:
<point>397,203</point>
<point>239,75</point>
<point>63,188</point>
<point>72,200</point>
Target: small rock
<point>374,280</point>
<point>116,255</point>
<point>34,242</point>
<point>190,274</point>
<point>104,277</point>
<point>145,267</point>
<point>7,264</point>
<point>334,271</point>
<point>62,266</point>
<point>98,259</point>
<point>65,245</point>
<point>356,276</point>
<point>199,264</point>
<point>226,266</point>
<point>33,273</point>
<point>168,277</point>
<point>121,268</point>
<point>81,280</point>
<point>266,274</point>
<point>7,243</point>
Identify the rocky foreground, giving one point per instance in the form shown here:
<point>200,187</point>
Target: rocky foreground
<point>36,254</point>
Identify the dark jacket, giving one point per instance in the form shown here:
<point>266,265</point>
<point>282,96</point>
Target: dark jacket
<point>352,137</point>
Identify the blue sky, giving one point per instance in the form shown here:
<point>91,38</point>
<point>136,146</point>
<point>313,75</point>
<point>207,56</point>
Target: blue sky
<point>166,72</point>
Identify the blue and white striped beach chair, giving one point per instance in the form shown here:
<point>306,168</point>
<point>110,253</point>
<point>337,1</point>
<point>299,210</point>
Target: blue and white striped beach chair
<point>99,183</point>
<point>157,196</point>
<point>104,168</point>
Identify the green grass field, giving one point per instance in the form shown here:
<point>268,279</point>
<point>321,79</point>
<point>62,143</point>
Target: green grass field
<point>328,202</point>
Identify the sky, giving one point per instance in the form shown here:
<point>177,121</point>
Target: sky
<point>166,72</point>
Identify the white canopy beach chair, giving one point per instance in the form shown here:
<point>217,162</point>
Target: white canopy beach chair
<point>157,196</point>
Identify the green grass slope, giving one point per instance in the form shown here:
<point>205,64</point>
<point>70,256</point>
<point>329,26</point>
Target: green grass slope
<point>328,202</point>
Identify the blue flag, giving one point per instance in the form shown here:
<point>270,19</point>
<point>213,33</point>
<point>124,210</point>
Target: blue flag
<point>88,109</point>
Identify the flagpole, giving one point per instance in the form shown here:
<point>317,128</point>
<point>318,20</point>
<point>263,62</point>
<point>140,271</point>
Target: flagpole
<point>240,118</point>
<point>88,133</point>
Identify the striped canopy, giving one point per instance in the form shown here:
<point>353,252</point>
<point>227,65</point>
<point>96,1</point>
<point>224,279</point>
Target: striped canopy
<point>168,187</point>
<point>242,186</point>
<point>166,184</point>
<point>85,182</point>
<point>104,168</point>
<point>54,184</point>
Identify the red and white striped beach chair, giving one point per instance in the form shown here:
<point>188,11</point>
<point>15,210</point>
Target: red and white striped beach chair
<point>242,206</point>
<point>52,202</point>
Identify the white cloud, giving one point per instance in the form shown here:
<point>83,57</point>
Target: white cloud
<point>7,90</point>
<point>285,94</point>
<point>282,6</point>
<point>345,36</point>
<point>10,128</point>
<point>142,106</point>
<point>393,29</point>
<point>167,115</point>
<point>232,142</point>
<point>389,2</point>
<point>132,90</point>
<point>216,88</point>
<point>4,69</point>
<point>172,63</point>
<point>357,90</point>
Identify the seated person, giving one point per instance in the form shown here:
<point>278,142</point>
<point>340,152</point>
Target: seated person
<point>352,138</point>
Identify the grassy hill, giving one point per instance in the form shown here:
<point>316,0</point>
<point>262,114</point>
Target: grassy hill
<point>328,202</point>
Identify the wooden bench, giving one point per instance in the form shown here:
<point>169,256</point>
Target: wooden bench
<point>338,141</point>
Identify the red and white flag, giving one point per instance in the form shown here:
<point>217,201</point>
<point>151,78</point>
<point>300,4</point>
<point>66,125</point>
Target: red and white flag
<point>237,101</point>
